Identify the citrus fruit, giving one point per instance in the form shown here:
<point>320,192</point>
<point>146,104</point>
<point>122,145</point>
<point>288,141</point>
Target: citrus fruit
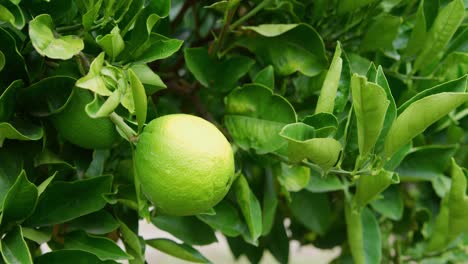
<point>74,124</point>
<point>184,163</point>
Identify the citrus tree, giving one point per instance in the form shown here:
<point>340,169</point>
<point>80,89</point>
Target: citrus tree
<point>331,123</point>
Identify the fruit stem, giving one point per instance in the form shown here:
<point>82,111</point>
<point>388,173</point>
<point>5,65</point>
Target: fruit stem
<point>131,135</point>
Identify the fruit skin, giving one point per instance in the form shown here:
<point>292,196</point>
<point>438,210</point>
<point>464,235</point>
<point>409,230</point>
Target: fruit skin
<point>184,163</point>
<point>74,124</point>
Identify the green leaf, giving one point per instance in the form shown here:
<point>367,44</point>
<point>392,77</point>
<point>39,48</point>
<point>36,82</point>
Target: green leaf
<point>418,116</point>
<point>103,248</point>
<point>270,203</point>
<point>426,163</point>
<point>20,130</point>
<point>381,33</point>
<point>150,79</point>
<point>325,124</point>
<point>328,183</point>
<point>38,236</point>
<point>312,210</point>
<point>99,109</point>
<point>278,241</point>
<point>453,214</point>
<point>12,13</point>
<point>221,75</point>
<point>255,116</point>
<point>83,197</point>
<point>98,223</point>
<point>2,60</point>
<point>8,100</point>
<point>250,208</point>
<point>288,47</point>
<point>364,236</point>
<point>326,101</point>
<point>139,97</point>
<point>182,251</point>
<point>72,257</point>
<point>419,32</point>
<point>45,42</point>
<point>156,48</point>
<point>303,144</point>
<point>226,219</point>
<point>132,244</point>
<point>112,43</point>
<point>186,228</point>
<point>93,81</point>
<point>370,105</point>
<point>445,25</point>
<point>391,204</point>
<point>48,96</point>
<point>14,249</point>
<point>293,178</point>
<point>20,201</point>
<point>266,77</point>
<point>15,66</point>
<point>370,186</point>
<point>10,168</point>
<point>346,6</point>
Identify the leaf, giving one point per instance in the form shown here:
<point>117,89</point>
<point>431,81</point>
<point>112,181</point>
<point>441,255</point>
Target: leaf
<point>426,162</point>
<point>250,208</point>
<point>302,144</point>
<point>293,178</point>
<point>132,244</point>
<point>287,47</point>
<point>72,257</point>
<point>418,116</point>
<point>370,105</point>
<point>269,204</point>
<point>226,219</point>
<point>266,77</point>
<point>419,32</point>
<point>221,75</point>
<point>47,96</point>
<point>112,43</point>
<point>38,236</point>
<point>99,109</point>
<point>14,249</point>
<point>46,44</point>
<point>364,236</point>
<point>312,210</point>
<point>12,13</point>
<point>93,80</point>
<point>453,214</point>
<point>370,186</point>
<point>19,202</point>
<point>319,184</point>
<point>278,242</point>
<point>158,47</point>
<point>19,130</point>
<point>391,204</point>
<point>326,101</point>
<point>377,39</point>
<point>325,124</point>
<point>8,100</point>
<point>181,251</point>
<point>255,116</point>
<point>15,66</point>
<point>186,228</point>
<point>139,97</point>
<point>103,248</point>
<point>2,60</point>
<point>346,6</point>
<point>97,223</point>
<point>151,81</point>
<point>83,197</point>
<point>445,25</point>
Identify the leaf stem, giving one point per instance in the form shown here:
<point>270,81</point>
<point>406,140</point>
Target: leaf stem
<point>250,14</point>
<point>126,129</point>
<point>68,28</point>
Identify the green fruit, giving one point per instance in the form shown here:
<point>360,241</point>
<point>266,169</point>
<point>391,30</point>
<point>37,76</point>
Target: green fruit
<point>184,163</point>
<point>74,124</point>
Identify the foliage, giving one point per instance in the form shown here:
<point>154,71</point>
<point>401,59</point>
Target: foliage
<point>348,118</point>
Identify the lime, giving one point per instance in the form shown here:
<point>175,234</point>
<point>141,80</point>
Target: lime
<point>74,124</point>
<point>184,163</point>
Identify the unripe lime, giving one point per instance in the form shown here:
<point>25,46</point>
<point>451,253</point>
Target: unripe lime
<point>184,163</point>
<point>74,124</point>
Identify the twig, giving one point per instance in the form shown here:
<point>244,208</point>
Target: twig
<point>250,14</point>
<point>127,130</point>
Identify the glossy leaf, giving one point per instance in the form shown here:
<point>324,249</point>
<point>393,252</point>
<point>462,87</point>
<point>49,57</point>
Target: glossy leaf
<point>370,105</point>
<point>326,101</point>
<point>391,203</point>
<point>288,47</point>
<point>103,248</point>
<point>250,207</point>
<point>85,196</point>
<point>266,77</point>
<point>364,235</point>
<point>158,47</point>
<point>10,169</point>
<point>269,204</point>
<point>132,244</point>
<point>72,257</point>
<point>99,109</point>
<point>38,236</point>
<point>20,201</point>
<point>255,116</point>
<point>45,42</point>
<point>19,130</point>
<point>313,210</point>
<point>445,25</point>
<point>186,228</point>
<point>8,100</point>
<point>12,13</point>
<point>112,43</point>
<point>293,178</point>
<point>15,66</point>
<point>221,75</point>
<point>98,223</point>
<point>182,251</point>
<point>226,219</point>
<point>370,186</point>
<point>375,38</point>
<point>14,249</point>
<point>151,81</point>
<point>418,116</point>
<point>139,97</point>
<point>319,184</point>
